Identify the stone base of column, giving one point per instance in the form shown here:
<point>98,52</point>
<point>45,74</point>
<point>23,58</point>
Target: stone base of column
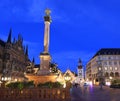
<point>43,72</point>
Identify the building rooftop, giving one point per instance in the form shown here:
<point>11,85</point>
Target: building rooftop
<point>108,51</point>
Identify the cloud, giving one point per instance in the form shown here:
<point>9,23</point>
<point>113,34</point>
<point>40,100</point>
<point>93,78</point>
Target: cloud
<point>33,11</point>
<point>37,9</point>
<point>29,10</point>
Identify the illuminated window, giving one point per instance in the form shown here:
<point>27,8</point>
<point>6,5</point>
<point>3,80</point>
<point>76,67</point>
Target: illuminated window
<point>99,68</point>
<point>116,68</point>
<point>110,68</point>
<point>105,68</point>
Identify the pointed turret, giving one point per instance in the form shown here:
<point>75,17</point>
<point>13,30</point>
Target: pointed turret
<point>20,39</point>
<point>9,37</point>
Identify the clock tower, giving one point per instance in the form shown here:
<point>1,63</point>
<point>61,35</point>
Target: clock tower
<point>80,70</point>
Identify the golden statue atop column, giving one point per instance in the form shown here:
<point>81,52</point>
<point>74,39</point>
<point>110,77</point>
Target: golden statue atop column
<point>47,11</point>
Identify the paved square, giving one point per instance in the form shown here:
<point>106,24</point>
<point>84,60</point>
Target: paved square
<point>94,93</point>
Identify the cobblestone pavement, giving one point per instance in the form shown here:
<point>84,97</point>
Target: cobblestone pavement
<point>94,93</point>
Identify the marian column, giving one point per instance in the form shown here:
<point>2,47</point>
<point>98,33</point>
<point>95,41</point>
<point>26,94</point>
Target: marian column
<point>45,56</point>
<point>47,30</point>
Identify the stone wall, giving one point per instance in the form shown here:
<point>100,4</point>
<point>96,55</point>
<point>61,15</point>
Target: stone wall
<point>35,94</point>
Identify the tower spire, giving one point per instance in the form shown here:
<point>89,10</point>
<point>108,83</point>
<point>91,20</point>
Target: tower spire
<point>9,36</point>
<point>79,63</point>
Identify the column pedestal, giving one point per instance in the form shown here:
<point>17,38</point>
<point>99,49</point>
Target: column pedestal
<point>44,64</point>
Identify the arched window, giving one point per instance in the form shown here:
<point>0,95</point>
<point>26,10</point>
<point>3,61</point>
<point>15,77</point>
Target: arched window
<point>116,74</point>
<point>106,74</point>
<point>112,74</point>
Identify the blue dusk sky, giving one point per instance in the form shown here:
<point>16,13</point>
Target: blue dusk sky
<point>79,28</point>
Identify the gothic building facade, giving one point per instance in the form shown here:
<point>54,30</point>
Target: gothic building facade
<point>13,55</point>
